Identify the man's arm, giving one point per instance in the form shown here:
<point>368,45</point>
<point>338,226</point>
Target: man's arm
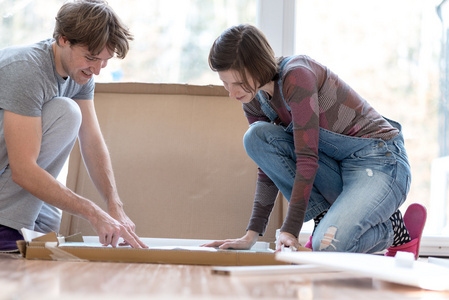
<point>98,163</point>
<point>23,137</point>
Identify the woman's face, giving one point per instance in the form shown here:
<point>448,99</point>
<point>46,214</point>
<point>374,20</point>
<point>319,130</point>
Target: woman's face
<point>234,85</point>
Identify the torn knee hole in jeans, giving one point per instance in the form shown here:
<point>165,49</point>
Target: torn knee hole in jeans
<point>328,238</point>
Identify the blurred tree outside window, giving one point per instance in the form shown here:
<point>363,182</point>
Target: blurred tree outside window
<point>389,53</point>
<point>171,38</point>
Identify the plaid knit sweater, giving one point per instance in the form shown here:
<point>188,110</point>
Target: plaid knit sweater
<point>317,97</point>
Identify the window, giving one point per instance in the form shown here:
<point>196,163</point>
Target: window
<point>389,52</point>
<point>171,38</point>
<point>26,21</point>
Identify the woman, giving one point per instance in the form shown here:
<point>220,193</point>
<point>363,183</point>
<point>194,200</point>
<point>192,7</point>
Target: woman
<point>321,144</point>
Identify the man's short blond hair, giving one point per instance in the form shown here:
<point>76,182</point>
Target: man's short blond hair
<point>94,24</point>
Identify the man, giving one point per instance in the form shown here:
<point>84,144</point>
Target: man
<point>46,103</point>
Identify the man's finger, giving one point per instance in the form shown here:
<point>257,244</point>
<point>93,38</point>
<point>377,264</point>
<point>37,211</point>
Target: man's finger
<point>130,239</point>
<point>107,239</point>
<point>114,239</point>
<point>102,239</point>
<point>136,237</point>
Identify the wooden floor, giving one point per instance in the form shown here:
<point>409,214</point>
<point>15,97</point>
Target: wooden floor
<point>35,279</point>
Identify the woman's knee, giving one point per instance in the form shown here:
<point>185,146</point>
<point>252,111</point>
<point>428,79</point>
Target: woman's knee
<point>334,238</point>
<point>256,135</point>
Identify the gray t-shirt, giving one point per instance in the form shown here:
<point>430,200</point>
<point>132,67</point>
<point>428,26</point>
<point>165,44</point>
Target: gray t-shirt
<point>28,79</point>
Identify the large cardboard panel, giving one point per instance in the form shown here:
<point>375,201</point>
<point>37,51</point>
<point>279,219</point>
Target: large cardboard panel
<point>179,162</point>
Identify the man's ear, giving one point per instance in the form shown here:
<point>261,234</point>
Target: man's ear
<point>63,40</point>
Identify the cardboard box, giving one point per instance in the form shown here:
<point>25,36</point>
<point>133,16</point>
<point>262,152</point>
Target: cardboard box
<point>179,162</point>
<point>74,248</point>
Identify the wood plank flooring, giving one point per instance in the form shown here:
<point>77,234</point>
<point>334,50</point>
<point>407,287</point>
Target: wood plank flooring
<point>36,279</point>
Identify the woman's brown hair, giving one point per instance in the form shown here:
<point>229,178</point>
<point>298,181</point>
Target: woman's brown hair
<point>92,23</point>
<point>245,49</point>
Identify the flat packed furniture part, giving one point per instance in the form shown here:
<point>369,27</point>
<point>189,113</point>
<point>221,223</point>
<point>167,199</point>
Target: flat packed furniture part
<point>161,251</point>
<point>179,161</point>
<point>401,269</point>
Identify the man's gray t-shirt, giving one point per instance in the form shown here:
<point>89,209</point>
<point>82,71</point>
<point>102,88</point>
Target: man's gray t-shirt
<point>30,86</point>
<point>28,79</point>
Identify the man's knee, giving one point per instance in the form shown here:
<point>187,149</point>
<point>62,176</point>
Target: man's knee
<point>62,113</point>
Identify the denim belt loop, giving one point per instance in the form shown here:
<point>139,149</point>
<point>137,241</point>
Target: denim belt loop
<point>395,143</point>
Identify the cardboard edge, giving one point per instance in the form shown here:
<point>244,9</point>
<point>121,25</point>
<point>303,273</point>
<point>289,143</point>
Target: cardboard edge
<point>158,256</point>
<point>75,238</point>
<point>22,246</point>
<point>49,237</point>
<point>160,88</point>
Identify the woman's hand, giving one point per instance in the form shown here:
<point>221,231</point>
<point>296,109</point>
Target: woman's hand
<point>243,243</point>
<point>287,240</point>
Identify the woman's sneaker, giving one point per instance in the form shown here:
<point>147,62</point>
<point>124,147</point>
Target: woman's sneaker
<point>414,220</point>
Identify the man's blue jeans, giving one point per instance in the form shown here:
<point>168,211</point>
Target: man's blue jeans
<point>362,181</point>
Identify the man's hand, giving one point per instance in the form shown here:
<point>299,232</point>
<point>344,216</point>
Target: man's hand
<point>117,213</point>
<point>110,230</point>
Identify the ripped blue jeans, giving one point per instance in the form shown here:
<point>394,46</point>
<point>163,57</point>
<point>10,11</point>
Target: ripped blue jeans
<point>361,181</point>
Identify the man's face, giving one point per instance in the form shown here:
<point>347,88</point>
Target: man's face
<point>78,63</point>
